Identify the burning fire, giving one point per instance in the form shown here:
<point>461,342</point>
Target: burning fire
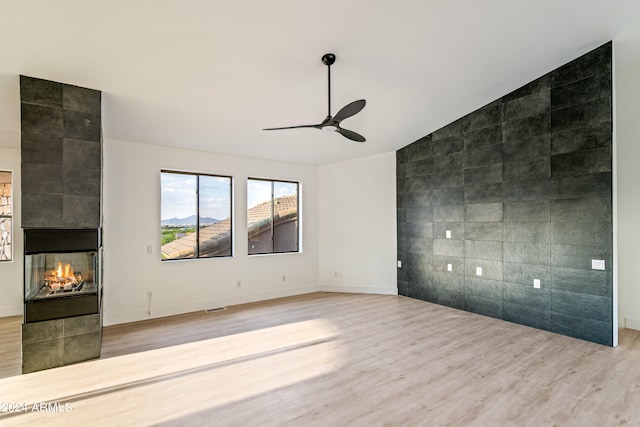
<point>62,277</point>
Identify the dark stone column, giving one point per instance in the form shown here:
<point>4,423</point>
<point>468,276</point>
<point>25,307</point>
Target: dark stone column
<point>61,155</point>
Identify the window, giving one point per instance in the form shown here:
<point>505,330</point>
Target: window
<point>195,217</point>
<point>272,216</point>
<point>6,213</point>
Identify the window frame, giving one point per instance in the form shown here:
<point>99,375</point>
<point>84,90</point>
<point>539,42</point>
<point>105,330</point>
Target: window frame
<point>197,175</point>
<point>298,212</point>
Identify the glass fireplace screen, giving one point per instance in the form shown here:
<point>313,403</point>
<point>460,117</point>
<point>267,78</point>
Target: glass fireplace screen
<point>51,275</point>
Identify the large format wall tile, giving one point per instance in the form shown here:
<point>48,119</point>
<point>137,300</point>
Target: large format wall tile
<point>502,211</point>
<point>61,155</point>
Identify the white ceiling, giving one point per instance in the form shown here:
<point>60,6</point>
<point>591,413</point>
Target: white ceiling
<point>209,75</point>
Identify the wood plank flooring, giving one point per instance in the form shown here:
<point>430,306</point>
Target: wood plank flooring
<point>330,359</point>
<point>10,347</point>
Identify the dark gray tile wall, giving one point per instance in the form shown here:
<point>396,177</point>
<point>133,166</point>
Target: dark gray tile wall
<point>60,342</point>
<point>61,155</point>
<point>521,188</point>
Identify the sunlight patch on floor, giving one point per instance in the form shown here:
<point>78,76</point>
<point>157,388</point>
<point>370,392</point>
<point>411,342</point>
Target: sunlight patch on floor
<point>169,383</point>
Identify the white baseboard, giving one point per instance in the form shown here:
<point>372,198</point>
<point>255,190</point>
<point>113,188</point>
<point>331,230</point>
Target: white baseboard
<point>110,319</point>
<point>360,289</point>
<point>11,311</point>
<point>631,323</point>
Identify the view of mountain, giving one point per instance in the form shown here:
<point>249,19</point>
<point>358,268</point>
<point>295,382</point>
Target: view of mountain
<point>190,220</point>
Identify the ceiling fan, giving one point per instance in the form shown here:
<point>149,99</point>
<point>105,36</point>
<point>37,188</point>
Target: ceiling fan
<point>333,122</point>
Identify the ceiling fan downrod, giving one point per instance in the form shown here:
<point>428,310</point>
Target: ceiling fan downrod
<point>328,59</point>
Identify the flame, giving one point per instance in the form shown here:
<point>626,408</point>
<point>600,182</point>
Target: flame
<point>67,273</point>
<point>62,276</point>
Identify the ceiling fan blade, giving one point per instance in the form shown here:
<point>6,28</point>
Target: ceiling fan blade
<point>351,135</point>
<point>295,127</point>
<point>349,110</point>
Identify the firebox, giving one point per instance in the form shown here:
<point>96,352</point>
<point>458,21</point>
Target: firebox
<point>62,273</point>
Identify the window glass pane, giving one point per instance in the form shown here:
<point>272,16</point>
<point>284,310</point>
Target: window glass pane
<point>178,215</point>
<point>215,216</point>
<point>259,216</point>
<point>285,217</point>
<point>6,213</point>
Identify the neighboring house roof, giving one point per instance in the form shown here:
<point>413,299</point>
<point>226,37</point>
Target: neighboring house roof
<point>216,237</point>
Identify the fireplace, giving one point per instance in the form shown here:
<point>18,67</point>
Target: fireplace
<point>62,273</point>
<point>61,189</point>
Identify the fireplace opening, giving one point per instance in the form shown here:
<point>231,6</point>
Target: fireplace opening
<point>62,272</point>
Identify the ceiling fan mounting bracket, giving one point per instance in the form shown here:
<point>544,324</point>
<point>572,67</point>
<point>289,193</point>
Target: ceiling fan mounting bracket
<point>328,59</point>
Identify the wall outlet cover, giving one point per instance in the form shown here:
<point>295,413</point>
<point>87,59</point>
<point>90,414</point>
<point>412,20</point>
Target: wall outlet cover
<point>449,267</point>
<point>478,271</point>
<point>597,264</point>
<point>448,234</point>
<point>536,283</point>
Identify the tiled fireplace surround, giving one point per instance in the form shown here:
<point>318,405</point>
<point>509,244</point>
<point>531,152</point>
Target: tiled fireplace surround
<point>61,154</point>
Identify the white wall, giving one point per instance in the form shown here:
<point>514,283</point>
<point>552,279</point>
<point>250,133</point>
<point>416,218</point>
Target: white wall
<point>131,215</point>
<point>628,194</point>
<point>357,212</point>
<point>11,271</point>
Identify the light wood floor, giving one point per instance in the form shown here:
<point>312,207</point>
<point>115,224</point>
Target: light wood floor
<point>330,359</point>
<point>10,347</point>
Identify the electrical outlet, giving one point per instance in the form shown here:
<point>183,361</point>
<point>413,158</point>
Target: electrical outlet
<point>284,278</point>
<point>149,249</point>
<point>399,264</point>
<point>597,264</point>
<point>449,267</point>
<point>478,271</point>
<point>536,283</point>
<point>447,234</point>
<point>238,283</point>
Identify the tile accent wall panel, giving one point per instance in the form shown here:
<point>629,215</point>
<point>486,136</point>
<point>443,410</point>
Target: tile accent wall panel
<point>483,193</point>
<point>582,138</point>
<point>526,315</point>
<point>598,331</point>
<point>527,296</point>
<point>524,274</point>
<point>526,147</point>
<point>448,298</point>
<point>42,120</point>
<point>457,230</point>
<point>485,306</point>
<point>42,149</point>
<point>523,185</point>
<point>483,137</point>
<point>579,257</point>
<point>41,92</point>
<point>592,282</point>
<point>448,213</point>
<point>75,98</point>
<point>61,155</point>
<point>448,145</point>
<point>488,231</point>
<point>537,210</point>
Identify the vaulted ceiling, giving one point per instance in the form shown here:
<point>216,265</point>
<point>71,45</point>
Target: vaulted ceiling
<point>209,75</point>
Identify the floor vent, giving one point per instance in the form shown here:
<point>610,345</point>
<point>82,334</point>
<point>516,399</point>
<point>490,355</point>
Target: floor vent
<point>214,310</point>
